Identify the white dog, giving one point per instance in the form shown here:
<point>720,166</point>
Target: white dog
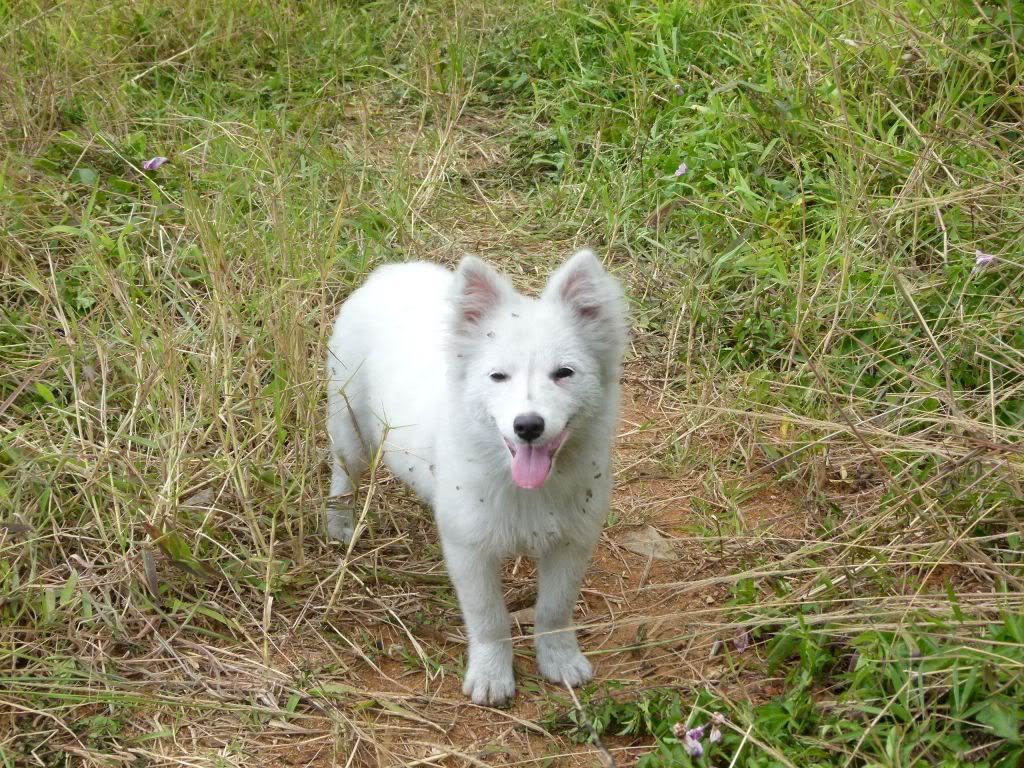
<point>499,410</point>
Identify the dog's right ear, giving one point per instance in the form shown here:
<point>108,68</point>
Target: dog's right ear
<point>478,291</point>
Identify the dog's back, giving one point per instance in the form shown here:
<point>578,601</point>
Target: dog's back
<point>387,372</point>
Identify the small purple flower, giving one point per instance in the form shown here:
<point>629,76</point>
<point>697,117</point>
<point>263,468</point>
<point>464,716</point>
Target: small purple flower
<point>981,260</point>
<point>742,641</point>
<point>679,90</point>
<point>690,738</point>
<point>693,747</point>
<point>681,169</point>
<point>153,163</point>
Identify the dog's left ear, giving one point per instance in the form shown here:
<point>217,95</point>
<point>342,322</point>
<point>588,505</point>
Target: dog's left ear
<point>577,283</point>
<point>592,295</point>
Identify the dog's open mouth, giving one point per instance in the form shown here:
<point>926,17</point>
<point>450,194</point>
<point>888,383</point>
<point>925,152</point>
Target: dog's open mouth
<point>531,464</point>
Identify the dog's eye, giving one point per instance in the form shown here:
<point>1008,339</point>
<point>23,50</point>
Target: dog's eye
<point>564,373</point>
<point>499,376</point>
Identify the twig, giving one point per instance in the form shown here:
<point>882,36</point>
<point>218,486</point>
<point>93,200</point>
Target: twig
<point>168,60</point>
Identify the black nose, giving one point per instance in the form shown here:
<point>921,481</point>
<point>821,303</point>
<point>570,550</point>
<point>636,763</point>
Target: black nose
<point>528,426</point>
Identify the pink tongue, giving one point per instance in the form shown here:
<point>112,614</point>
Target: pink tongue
<point>531,465</point>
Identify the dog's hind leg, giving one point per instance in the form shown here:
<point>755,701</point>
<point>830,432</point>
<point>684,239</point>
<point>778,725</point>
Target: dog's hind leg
<point>349,459</point>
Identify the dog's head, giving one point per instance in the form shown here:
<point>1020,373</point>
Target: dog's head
<point>536,370</point>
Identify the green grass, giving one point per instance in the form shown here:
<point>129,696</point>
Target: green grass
<point>805,294</point>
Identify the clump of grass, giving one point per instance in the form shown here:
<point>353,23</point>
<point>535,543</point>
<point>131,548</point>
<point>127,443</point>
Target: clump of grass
<point>827,295</point>
<point>914,697</point>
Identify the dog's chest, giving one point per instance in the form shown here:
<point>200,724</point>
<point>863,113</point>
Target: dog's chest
<point>518,524</point>
<point>533,531</point>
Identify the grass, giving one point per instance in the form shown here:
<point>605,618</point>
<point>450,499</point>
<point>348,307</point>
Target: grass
<point>809,322</point>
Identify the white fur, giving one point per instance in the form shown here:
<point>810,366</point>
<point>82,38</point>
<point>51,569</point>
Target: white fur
<point>410,364</point>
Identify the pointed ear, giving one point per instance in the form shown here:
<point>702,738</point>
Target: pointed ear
<point>592,296</point>
<point>577,284</point>
<point>582,285</point>
<point>477,292</point>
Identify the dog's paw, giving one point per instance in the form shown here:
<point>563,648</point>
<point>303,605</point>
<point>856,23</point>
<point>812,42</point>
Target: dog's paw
<point>560,661</point>
<point>340,522</point>
<point>490,683</point>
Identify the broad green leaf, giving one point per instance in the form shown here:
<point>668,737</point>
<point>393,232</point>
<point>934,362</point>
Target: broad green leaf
<point>1002,716</point>
<point>45,392</point>
<point>68,592</point>
<point>86,176</point>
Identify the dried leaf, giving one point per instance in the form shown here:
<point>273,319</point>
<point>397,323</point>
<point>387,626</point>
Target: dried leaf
<point>12,527</point>
<point>648,542</point>
<point>742,641</point>
<point>200,499</point>
<point>149,568</point>
<point>406,714</point>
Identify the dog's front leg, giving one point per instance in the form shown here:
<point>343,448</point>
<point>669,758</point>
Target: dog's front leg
<point>477,579</point>
<point>558,654</point>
